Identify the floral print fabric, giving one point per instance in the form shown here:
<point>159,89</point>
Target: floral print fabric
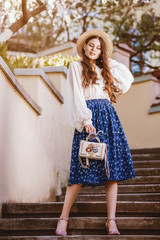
<point>105,118</point>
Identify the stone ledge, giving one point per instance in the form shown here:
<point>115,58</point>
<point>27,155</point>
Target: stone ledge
<point>12,79</point>
<point>144,78</point>
<point>40,72</point>
<point>56,49</point>
<point>53,50</point>
<point>154,109</point>
<point>55,69</point>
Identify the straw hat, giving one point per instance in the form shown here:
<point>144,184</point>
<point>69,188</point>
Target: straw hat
<point>106,38</point>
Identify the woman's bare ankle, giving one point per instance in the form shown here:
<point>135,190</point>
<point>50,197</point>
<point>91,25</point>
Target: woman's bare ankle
<point>64,217</point>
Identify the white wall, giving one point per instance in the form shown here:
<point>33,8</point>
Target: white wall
<point>35,149</point>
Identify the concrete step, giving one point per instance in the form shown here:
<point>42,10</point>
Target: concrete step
<point>145,150</point>
<point>138,209</point>
<point>51,209</point>
<point>142,180</point>
<point>146,156</point>
<point>147,171</point>
<point>83,225</point>
<point>121,197</point>
<point>85,237</point>
<point>122,189</point>
<point>139,188</point>
<point>147,164</point>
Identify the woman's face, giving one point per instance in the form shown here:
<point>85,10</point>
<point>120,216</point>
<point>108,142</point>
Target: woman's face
<point>92,49</point>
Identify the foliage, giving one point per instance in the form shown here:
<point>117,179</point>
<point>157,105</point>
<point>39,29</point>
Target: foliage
<point>3,54</point>
<point>136,24</point>
<point>3,50</point>
<point>22,61</point>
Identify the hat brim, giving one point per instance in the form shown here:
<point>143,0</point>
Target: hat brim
<point>95,32</point>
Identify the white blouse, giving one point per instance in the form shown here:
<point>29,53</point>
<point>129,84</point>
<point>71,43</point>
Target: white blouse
<point>79,114</point>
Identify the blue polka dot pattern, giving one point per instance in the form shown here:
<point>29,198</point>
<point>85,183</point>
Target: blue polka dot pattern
<point>105,118</point>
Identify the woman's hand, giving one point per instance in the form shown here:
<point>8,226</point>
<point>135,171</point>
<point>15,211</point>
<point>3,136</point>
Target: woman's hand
<point>90,128</point>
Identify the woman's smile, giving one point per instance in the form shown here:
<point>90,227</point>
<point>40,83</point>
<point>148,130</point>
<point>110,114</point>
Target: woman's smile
<point>92,53</point>
<point>93,49</point>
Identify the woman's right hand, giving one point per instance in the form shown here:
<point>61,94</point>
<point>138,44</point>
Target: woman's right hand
<point>90,128</point>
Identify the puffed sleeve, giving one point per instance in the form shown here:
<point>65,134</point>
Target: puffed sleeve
<point>121,73</point>
<point>79,114</point>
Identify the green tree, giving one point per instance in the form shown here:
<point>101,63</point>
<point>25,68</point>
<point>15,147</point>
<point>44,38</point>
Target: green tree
<point>139,31</point>
<point>133,22</point>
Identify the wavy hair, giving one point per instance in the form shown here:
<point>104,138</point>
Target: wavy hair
<point>90,76</point>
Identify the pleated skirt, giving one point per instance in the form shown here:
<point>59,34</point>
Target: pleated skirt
<point>104,118</point>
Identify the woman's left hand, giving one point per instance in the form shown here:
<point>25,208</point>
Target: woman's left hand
<point>90,128</point>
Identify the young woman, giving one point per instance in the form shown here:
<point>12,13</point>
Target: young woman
<point>94,83</point>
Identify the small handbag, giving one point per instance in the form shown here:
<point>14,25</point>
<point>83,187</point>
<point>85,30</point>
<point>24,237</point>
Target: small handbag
<point>93,150</point>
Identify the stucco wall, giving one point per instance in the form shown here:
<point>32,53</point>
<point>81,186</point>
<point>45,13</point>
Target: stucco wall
<point>35,149</point>
<point>142,129</point>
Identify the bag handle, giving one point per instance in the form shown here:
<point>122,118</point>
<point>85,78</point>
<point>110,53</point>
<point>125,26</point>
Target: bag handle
<point>87,138</point>
<point>93,135</point>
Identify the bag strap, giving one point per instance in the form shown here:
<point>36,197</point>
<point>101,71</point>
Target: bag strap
<point>106,163</point>
<point>87,163</point>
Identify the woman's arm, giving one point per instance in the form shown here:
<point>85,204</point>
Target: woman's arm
<point>79,114</point>
<point>121,73</point>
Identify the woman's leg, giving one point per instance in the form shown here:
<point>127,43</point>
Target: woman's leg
<point>71,194</point>
<point>111,189</point>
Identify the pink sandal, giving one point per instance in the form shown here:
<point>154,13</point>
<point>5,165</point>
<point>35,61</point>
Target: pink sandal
<point>115,232</point>
<point>60,221</point>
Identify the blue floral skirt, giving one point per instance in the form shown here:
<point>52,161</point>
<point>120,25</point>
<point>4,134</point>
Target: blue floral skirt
<point>105,118</point>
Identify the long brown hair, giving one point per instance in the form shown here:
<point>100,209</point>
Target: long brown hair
<point>90,76</point>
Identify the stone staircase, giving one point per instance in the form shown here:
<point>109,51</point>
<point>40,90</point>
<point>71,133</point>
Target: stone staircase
<point>138,209</point>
